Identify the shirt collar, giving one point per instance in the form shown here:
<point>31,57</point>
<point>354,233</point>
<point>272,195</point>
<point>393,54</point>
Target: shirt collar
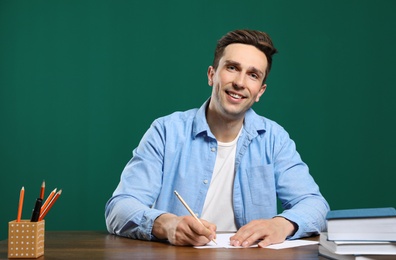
<point>253,123</point>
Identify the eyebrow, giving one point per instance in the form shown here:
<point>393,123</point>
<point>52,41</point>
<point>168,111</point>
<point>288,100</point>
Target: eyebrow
<point>237,64</point>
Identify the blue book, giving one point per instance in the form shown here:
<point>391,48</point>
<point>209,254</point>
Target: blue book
<point>361,213</point>
<point>373,224</point>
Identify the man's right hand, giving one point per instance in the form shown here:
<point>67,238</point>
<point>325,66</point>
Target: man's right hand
<point>183,231</point>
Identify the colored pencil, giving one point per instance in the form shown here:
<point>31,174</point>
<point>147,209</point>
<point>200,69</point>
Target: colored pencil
<point>50,204</point>
<point>20,205</point>
<point>49,198</point>
<point>42,190</point>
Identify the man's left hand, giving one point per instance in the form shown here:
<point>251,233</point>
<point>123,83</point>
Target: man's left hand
<point>269,231</point>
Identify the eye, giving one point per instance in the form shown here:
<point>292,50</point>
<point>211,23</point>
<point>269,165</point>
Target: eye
<point>231,67</point>
<point>254,76</point>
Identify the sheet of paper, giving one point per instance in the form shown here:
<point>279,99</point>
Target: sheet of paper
<point>223,241</point>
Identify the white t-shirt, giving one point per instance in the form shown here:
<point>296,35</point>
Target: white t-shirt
<point>218,207</point>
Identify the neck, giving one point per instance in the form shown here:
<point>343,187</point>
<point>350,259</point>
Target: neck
<point>224,129</point>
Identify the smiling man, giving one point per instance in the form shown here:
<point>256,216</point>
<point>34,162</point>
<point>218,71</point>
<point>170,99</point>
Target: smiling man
<point>237,82</point>
<point>228,163</point>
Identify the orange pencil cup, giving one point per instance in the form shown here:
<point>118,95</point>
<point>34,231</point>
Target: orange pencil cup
<point>26,239</point>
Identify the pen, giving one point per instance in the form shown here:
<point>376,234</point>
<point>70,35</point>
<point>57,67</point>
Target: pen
<point>42,190</point>
<point>189,210</point>
<point>36,210</point>
<point>20,205</point>
<point>50,204</point>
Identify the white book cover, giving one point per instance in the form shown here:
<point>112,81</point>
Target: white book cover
<point>358,247</point>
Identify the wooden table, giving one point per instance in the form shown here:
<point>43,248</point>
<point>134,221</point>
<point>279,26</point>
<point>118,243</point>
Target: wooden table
<point>101,245</point>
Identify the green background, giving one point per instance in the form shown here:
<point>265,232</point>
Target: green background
<point>81,81</point>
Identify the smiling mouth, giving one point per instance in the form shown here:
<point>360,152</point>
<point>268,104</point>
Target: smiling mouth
<point>234,95</point>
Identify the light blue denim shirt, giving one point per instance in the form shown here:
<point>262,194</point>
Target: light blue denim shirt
<point>178,152</point>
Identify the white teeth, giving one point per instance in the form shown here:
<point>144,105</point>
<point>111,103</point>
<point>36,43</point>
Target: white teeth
<point>235,95</point>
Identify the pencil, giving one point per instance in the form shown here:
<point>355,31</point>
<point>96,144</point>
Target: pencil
<point>20,205</point>
<point>50,204</point>
<point>42,190</point>
<point>189,210</point>
<point>48,200</point>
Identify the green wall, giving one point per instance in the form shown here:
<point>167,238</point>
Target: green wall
<point>81,81</point>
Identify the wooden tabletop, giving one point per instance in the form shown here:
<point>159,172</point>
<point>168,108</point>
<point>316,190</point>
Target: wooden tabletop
<point>101,245</point>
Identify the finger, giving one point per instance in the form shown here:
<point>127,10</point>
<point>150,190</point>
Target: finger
<point>251,240</point>
<point>197,240</point>
<point>204,228</point>
<point>236,240</point>
<point>265,242</point>
<point>201,232</point>
<point>211,227</point>
<point>244,242</point>
<point>241,236</point>
<point>187,233</point>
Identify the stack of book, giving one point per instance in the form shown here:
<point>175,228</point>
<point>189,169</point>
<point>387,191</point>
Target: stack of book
<point>360,234</point>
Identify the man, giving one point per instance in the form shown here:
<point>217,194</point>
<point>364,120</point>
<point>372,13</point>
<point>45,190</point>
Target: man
<point>228,163</point>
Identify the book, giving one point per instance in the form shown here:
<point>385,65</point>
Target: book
<point>323,251</point>
<point>375,224</point>
<point>358,247</point>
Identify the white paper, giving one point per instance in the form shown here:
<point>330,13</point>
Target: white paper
<point>223,241</point>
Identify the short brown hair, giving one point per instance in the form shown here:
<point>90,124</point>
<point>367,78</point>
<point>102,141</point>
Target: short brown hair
<point>260,40</point>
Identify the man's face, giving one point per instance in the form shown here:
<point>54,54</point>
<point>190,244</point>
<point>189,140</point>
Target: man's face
<point>238,81</point>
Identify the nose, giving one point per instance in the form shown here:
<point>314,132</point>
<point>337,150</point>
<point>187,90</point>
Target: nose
<point>239,80</point>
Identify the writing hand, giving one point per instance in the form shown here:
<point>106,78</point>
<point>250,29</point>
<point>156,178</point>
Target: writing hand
<point>182,231</point>
<point>269,231</point>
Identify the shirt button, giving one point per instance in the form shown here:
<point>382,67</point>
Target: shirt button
<point>213,149</point>
<point>205,181</point>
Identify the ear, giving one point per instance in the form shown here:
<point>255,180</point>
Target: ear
<point>261,92</point>
<point>211,72</point>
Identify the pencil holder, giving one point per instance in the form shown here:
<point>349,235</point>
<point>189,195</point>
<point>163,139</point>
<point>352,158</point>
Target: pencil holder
<point>26,239</point>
